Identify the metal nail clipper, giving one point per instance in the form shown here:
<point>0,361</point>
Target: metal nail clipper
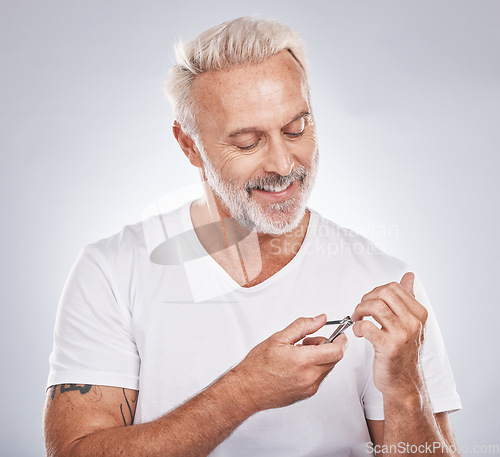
<point>343,325</point>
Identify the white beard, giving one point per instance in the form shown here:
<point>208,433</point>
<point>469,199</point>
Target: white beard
<point>271,218</point>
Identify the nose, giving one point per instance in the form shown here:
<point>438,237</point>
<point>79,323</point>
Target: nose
<point>278,159</point>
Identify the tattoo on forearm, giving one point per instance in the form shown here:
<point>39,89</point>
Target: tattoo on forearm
<point>127,416</point>
<point>82,388</point>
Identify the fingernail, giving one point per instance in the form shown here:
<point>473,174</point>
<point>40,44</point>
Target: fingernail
<point>318,317</point>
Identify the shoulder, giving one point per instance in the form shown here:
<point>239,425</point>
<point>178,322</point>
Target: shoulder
<point>343,246</point>
<point>116,249</point>
<point>129,235</point>
<point>136,241</point>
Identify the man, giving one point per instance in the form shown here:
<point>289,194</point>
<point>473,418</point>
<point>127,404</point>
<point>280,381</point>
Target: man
<point>184,349</point>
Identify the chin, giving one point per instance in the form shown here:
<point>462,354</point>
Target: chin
<point>273,221</point>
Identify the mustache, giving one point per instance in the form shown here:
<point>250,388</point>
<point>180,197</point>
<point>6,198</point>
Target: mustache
<point>299,173</point>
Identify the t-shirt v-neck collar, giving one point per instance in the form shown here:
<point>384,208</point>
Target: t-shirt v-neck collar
<point>226,277</point>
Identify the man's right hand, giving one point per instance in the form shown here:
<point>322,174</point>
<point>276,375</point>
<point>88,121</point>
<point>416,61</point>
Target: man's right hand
<point>84,421</point>
<point>278,372</point>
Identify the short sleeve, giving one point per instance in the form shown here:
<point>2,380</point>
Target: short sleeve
<point>436,368</point>
<point>93,342</point>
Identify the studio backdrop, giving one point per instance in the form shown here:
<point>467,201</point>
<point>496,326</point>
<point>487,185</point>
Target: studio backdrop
<point>405,95</point>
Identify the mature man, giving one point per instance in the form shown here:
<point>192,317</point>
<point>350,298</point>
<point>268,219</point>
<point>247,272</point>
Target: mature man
<point>182,351</point>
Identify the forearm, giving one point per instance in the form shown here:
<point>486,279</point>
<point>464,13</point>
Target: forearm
<point>411,428</point>
<point>275,373</point>
<point>193,429</point>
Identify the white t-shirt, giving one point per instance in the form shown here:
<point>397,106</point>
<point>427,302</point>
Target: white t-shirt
<point>169,330</point>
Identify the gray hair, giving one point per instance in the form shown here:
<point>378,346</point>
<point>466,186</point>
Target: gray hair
<point>245,40</point>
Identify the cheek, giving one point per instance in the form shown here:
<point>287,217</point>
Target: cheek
<point>305,151</point>
<point>235,167</point>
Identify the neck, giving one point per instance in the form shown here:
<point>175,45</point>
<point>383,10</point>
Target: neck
<point>247,256</point>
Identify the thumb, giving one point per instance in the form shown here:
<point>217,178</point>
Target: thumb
<point>300,328</point>
<point>407,283</point>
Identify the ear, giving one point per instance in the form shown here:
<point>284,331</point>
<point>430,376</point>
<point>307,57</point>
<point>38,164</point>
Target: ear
<point>187,145</point>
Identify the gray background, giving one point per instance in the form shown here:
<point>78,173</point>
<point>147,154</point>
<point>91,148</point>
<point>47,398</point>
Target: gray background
<point>406,97</point>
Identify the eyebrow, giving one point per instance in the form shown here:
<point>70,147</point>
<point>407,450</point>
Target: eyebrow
<point>242,131</point>
<point>255,129</point>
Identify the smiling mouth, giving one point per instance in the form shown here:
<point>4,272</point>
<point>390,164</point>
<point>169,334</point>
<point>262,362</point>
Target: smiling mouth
<point>277,188</point>
<point>276,194</point>
<point>273,189</point>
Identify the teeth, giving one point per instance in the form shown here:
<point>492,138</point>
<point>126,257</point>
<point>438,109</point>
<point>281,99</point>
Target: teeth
<point>268,188</point>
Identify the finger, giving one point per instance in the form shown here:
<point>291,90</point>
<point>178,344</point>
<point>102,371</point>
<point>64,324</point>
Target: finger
<point>370,331</point>
<point>379,310</point>
<point>314,340</point>
<point>326,372</point>
<point>300,328</point>
<point>319,378</point>
<point>401,303</point>
<point>407,282</point>
<point>327,367</point>
<point>325,354</point>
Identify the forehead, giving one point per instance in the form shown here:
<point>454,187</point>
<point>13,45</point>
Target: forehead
<point>257,95</point>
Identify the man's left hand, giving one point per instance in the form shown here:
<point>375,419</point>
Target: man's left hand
<point>397,344</point>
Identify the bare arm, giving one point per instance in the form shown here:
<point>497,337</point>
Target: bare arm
<point>409,424</point>
<point>98,423</point>
<point>443,434</point>
<point>83,421</point>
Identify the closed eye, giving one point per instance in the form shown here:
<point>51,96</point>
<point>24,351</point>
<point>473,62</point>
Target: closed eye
<point>294,135</point>
<point>248,148</point>
<point>295,128</point>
